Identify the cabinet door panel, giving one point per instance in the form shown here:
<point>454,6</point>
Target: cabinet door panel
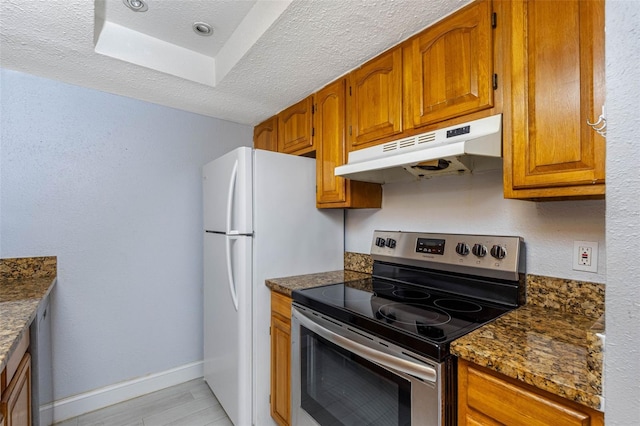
<point>375,99</point>
<point>281,359</point>
<point>452,67</point>
<point>558,76</point>
<point>16,398</point>
<point>265,135</point>
<point>294,128</point>
<point>329,119</point>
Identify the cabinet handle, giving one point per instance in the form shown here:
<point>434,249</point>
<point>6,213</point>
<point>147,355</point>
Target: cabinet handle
<point>600,126</point>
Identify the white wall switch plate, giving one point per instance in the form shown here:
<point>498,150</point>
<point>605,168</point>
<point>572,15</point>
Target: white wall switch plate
<point>585,256</point>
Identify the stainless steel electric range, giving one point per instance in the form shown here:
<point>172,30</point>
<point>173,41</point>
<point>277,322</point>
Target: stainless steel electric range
<point>377,352</point>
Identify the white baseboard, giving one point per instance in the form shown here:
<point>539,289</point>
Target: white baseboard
<point>99,398</point>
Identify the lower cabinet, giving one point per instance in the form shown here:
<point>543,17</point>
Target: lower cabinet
<point>15,387</point>
<point>489,398</point>
<point>281,358</point>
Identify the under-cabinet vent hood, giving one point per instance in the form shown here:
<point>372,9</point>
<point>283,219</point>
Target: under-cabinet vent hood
<point>472,146</point>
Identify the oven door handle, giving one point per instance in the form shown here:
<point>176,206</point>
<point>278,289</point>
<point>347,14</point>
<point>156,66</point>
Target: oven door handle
<point>424,372</point>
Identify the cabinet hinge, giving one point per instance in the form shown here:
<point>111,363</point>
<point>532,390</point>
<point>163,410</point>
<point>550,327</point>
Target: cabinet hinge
<point>494,20</point>
<point>269,398</point>
<point>269,335</point>
<point>349,130</point>
<point>313,131</point>
<point>349,90</point>
<point>313,108</point>
<point>495,81</point>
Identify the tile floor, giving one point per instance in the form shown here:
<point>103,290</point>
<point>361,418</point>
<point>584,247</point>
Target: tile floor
<point>188,404</point>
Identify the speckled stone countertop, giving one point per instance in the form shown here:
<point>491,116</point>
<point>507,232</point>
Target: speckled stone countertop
<point>24,283</point>
<point>553,342</point>
<point>288,284</point>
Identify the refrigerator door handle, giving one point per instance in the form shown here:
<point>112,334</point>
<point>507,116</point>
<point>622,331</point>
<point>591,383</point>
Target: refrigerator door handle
<point>232,284</point>
<point>230,194</point>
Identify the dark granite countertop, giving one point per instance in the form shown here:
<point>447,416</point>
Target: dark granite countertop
<point>552,343</point>
<point>24,283</point>
<point>287,284</point>
<point>554,351</point>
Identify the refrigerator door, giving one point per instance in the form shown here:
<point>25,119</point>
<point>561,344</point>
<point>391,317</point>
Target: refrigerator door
<point>227,322</point>
<point>227,190</point>
<point>292,237</point>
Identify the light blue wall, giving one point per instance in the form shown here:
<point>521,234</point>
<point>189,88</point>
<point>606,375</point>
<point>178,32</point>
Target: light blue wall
<point>111,186</point>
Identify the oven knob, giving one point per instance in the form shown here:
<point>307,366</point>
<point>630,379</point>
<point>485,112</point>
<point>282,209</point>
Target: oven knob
<point>479,250</point>
<point>380,242</point>
<point>391,243</point>
<point>498,252</point>
<point>462,249</point>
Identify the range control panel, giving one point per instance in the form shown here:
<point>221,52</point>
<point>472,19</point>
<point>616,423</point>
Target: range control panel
<point>486,255</point>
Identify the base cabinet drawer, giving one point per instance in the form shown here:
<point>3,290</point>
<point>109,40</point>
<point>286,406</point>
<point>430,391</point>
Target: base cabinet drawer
<point>489,398</point>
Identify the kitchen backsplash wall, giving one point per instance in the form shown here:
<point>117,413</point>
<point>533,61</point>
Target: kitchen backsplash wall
<point>571,296</point>
<point>358,262</point>
<point>473,204</point>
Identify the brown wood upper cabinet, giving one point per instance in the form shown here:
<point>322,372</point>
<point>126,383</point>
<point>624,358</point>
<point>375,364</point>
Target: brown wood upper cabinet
<point>295,126</point>
<point>329,123</point>
<point>265,135</point>
<point>374,105</point>
<point>489,398</point>
<point>557,84</point>
<point>449,67</point>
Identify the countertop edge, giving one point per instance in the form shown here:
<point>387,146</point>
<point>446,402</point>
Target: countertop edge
<point>27,320</point>
<point>472,349</point>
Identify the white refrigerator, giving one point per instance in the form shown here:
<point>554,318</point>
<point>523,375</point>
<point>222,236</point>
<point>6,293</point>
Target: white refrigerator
<point>260,221</point>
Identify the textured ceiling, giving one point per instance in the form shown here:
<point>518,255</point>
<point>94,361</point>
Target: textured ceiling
<point>261,66</point>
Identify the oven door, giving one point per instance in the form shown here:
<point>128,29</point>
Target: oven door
<point>343,376</point>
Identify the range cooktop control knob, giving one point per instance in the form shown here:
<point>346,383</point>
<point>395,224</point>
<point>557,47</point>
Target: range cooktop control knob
<point>391,243</point>
<point>380,242</point>
<point>462,249</point>
<point>479,250</point>
<point>498,252</point>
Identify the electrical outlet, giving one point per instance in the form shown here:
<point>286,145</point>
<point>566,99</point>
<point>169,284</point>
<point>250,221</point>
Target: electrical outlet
<point>585,256</point>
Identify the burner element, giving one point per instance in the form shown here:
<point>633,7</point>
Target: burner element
<point>411,314</point>
<point>411,294</point>
<point>377,285</point>
<point>457,305</point>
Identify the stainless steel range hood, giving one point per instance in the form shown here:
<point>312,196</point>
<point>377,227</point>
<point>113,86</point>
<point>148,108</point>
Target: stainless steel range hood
<point>469,147</point>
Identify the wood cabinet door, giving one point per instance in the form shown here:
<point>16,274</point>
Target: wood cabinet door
<point>449,67</point>
<point>557,85</point>
<point>265,135</point>
<point>374,109</point>
<point>329,124</point>
<point>16,398</point>
<point>489,398</point>
<point>295,125</point>
<point>281,359</point>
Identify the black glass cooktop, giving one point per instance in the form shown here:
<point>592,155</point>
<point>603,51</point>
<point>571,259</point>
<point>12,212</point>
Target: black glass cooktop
<point>420,319</point>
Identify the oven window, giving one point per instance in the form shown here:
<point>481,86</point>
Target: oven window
<point>340,388</point>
